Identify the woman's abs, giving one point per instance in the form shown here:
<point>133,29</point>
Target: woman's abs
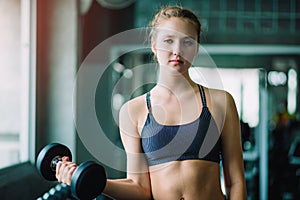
<point>186,180</point>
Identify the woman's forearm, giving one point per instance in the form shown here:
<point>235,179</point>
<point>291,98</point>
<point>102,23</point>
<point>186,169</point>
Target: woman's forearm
<point>126,189</point>
<point>237,191</point>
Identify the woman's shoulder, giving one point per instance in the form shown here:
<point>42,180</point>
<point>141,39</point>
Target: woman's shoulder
<point>220,99</point>
<point>134,106</point>
<point>218,95</point>
<point>136,102</point>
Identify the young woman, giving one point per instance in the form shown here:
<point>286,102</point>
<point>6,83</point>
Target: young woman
<point>176,134</point>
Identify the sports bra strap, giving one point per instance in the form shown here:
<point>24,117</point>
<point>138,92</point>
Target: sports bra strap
<point>203,98</point>
<point>148,101</point>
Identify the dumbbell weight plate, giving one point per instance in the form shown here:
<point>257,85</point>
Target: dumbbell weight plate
<point>44,159</point>
<point>88,180</point>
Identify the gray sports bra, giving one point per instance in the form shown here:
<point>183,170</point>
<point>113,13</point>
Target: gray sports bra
<point>197,140</point>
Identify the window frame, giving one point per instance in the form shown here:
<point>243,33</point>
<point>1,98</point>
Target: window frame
<point>28,66</point>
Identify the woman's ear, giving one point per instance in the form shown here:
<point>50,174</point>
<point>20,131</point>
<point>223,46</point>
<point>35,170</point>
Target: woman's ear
<point>153,48</point>
<point>198,48</point>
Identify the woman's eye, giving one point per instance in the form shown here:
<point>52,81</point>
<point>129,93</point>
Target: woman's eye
<point>168,41</point>
<point>188,42</point>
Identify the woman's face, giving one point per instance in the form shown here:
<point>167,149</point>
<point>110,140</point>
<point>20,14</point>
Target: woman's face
<point>175,44</point>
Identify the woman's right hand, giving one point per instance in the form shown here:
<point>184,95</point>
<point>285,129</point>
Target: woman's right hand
<point>65,170</point>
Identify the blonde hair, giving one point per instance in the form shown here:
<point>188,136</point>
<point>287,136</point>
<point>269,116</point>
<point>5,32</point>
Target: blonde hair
<point>175,11</point>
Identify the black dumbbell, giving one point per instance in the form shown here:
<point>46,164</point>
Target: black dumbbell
<point>88,180</point>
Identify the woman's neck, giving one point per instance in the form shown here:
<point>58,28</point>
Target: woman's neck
<point>176,82</point>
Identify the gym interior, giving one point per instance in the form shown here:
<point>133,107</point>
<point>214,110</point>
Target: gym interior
<point>68,66</point>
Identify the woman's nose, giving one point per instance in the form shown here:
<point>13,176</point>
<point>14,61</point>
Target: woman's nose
<point>177,49</point>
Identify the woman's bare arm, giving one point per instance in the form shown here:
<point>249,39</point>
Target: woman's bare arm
<point>232,153</point>
<point>137,183</point>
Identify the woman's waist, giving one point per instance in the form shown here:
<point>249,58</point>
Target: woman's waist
<point>186,179</point>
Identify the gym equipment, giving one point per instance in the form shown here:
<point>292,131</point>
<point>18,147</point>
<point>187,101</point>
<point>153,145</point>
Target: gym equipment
<point>294,152</point>
<point>58,192</point>
<point>88,180</point>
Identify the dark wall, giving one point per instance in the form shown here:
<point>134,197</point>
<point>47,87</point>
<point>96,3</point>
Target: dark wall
<point>101,23</point>
<point>96,26</point>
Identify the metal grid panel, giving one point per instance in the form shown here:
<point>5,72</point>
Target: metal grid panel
<point>235,16</point>
<point>259,16</point>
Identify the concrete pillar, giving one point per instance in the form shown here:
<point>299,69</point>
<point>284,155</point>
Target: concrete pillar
<point>98,25</point>
<point>57,41</point>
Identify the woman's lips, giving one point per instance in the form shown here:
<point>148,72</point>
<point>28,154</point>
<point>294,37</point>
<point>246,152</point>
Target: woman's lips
<point>176,61</point>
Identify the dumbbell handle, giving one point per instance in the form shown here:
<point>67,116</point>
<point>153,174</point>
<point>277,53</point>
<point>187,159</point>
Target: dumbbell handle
<point>54,162</point>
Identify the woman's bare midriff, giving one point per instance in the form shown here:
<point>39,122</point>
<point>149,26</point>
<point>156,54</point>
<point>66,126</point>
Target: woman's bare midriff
<point>186,180</point>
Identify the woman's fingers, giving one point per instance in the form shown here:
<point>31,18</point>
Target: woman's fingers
<point>64,171</point>
<point>68,172</point>
<point>65,158</point>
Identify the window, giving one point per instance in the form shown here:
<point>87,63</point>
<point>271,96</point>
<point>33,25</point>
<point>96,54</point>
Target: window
<point>242,84</point>
<point>15,82</point>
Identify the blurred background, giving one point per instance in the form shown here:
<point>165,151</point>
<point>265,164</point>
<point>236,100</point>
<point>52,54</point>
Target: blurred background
<point>62,58</point>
